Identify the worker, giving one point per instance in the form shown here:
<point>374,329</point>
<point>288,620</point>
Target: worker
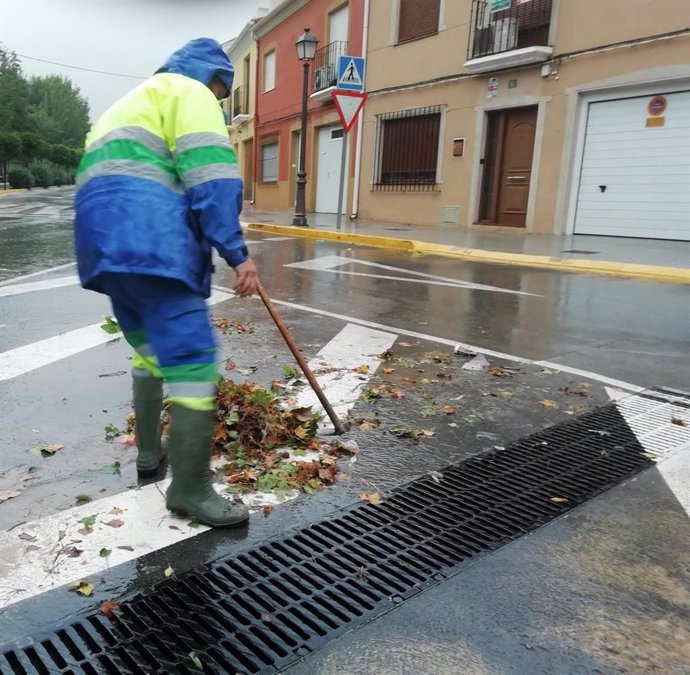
<point>158,188</point>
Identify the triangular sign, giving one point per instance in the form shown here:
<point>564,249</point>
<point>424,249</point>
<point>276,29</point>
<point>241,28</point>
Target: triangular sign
<point>348,104</point>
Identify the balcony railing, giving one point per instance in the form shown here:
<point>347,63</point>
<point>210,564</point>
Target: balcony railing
<point>499,26</point>
<point>240,101</point>
<point>325,71</point>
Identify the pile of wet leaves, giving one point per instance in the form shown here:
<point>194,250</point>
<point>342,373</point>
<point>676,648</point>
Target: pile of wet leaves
<point>269,446</point>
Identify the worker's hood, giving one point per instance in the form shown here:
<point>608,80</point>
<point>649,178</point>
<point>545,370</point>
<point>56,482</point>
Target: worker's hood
<point>201,59</point>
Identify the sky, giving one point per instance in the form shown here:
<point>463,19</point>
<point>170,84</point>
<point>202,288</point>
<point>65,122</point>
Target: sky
<point>131,37</point>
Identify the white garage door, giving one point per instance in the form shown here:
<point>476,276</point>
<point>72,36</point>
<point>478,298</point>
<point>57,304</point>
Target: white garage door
<point>635,177</point>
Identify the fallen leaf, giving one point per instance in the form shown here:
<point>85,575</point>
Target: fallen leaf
<point>449,410</point>
<point>453,425</point>
<point>65,401</point>
<point>371,497</point>
<point>363,369</point>
<point>113,468</point>
<point>169,571</point>
<point>266,618</point>
<point>24,536</point>
<point>230,364</point>
<point>87,529</point>
<point>405,344</point>
<point>194,658</point>
<point>111,326</point>
<point>436,476</point>
<point>32,547</point>
<point>329,460</point>
<point>88,521</point>
<point>173,527</point>
<point>193,524</point>
<point>387,371</point>
<point>105,552</point>
<point>108,607</point>
<point>71,551</point>
<point>128,440</point>
<point>396,393</point>
<point>549,404</point>
<point>499,371</point>
<point>84,499</point>
<point>46,450</point>
<point>558,500</point>
<point>649,455</point>
<point>386,356</point>
<point>126,548</point>
<point>679,422</point>
<point>84,587</point>
<point>115,522</point>
<point>267,509</point>
<point>244,371</point>
<point>426,432</point>
<point>116,511</point>
<point>367,424</point>
<point>7,494</point>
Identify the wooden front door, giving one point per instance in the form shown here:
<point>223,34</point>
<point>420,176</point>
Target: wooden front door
<point>508,167</point>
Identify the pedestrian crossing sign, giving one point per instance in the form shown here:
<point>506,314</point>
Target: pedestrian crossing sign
<point>350,73</point>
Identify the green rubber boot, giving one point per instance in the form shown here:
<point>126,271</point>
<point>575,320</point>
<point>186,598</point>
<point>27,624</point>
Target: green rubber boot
<point>148,403</point>
<point>191,492</point>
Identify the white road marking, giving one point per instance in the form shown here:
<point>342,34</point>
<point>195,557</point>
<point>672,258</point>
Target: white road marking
<point>31,286</point>
<point>30,567</point>
<point>651,419</point>
<point>29,357</point>
<point>330,263</point>
<point>471,348</point>
<point>14,280</point>
<point>676,473</point>
<point>353,347</point>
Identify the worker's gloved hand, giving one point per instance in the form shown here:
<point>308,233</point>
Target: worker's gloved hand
<point>247,279</point>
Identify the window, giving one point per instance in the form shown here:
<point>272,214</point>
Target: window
<point>407,146</point>
<point>269,162</point>
<point>418,19</point>
<point>270,71</point>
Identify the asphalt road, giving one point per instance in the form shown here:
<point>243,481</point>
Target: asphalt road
<point>568,340</point>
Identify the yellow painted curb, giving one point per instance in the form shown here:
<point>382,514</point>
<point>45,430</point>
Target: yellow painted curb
<point>7,192</point>
<point>611,268</point>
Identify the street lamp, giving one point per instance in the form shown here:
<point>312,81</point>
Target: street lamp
<point>306,52</point>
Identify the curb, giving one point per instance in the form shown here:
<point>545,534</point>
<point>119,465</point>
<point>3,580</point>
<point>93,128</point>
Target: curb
<point>11,190</point>
<point>604,267</point>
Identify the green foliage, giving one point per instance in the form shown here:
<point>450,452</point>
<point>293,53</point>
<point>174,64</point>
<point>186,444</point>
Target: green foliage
<point>10,145</point>
<point>43,173</point>
<point>20,177</point>
<point>34,147</point>
<point>65,156</point>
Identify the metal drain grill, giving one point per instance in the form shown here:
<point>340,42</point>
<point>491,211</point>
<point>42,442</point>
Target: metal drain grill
<point>265,609</point>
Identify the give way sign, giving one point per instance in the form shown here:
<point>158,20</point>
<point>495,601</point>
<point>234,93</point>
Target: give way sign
<point>348,104</point>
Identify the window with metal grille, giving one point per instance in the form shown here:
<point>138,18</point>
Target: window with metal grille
<point>418,19</point>
<point>498,26</point>
<point>269,162</point>
<point>407,145</point>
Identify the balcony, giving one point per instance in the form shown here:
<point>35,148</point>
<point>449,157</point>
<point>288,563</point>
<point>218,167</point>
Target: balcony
<point>240,105</point>
<point>508,34</point>
<point>325,73</point>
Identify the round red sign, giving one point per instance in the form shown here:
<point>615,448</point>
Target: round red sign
<point>657,106</point>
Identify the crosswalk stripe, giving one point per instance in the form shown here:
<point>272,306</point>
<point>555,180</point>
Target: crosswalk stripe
<point>40,560</point>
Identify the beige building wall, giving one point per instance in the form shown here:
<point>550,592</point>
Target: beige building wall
<point>403,77</point>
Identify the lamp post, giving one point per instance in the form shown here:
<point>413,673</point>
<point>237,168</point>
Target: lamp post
<point>306,52</point>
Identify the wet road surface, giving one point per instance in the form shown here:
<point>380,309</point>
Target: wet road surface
<point>61,383</point>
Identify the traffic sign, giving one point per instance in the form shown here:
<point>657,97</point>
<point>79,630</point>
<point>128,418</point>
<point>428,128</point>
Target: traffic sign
<point>348,104</point>
<point>350,73</point>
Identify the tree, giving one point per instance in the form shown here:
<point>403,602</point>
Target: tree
<point>14,91</point>
<point>59,111</point>
<point>10,146</point>
<point>34,147</point>
<point>65,156</point>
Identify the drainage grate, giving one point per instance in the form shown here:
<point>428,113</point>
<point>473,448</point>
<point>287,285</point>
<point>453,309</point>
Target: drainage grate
<point>267,608</point>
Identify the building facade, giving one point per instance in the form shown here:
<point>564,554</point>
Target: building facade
<point>556,116</point>
<point>338,26</point>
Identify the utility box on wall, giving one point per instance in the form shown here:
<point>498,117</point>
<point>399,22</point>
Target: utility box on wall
<point>450,215</point>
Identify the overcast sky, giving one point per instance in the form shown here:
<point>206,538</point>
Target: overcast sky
<point>132,37</point>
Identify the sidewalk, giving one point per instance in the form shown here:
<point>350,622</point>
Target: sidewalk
<point>651,259</point>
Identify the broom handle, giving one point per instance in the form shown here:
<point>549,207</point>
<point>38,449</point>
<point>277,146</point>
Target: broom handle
<point>340,429</point>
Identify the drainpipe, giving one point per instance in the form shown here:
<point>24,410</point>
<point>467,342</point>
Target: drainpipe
<point>360,124</point>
